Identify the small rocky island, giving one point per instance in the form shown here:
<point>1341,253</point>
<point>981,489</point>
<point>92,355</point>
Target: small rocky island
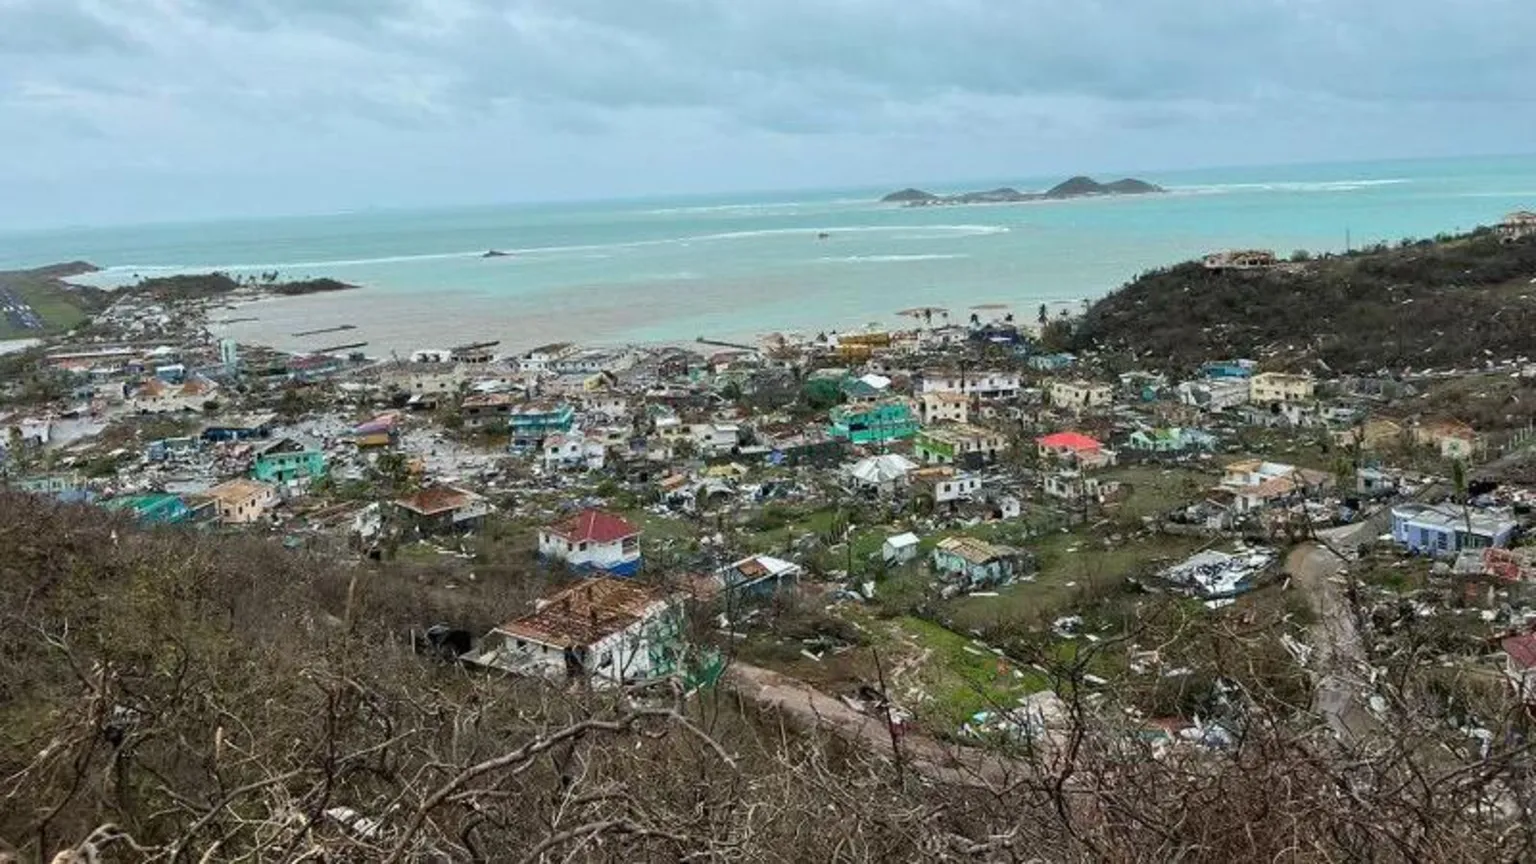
<point>1076,187</point>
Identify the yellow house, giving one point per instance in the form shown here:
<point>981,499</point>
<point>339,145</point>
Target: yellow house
<point>946,408</point>
<point>238,502</point>
<point>1080,394</point>
<point>1267,388</point>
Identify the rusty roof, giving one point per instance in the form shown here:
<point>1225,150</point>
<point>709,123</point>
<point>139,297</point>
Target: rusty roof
<point>436,500</point>
<point>586,612</point>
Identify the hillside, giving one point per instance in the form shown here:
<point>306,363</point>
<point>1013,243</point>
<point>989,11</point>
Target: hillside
<point>1453,302</point>
<point>39,302</point>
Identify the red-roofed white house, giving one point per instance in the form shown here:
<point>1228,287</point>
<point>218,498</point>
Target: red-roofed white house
<point>1520,665</point>
<point>593,540</point>
<point>1076,449</point>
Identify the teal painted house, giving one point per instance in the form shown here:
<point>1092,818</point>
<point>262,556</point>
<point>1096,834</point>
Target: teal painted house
<point>873,424</point>
<point>287,461</point>
<point>153,508</point>
<point>530,424</point>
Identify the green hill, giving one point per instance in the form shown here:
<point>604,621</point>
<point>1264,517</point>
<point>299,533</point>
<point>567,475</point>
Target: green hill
<point>1452,302</point>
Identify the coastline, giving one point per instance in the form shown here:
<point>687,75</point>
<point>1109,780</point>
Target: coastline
<point>298,322</point>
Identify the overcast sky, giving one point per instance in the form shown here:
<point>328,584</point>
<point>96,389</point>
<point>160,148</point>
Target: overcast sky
<point>138,110</point>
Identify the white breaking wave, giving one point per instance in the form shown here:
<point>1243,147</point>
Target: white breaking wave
<point>588,250</point>
<point>1288,186</point>
<point>889,259</point>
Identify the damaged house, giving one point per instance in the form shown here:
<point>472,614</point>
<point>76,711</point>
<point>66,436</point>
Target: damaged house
<point>610,630</point>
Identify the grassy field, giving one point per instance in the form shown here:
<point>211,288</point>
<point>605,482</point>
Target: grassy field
<point>59,308</point>
<point>1154,489</point>
<point>943,678</point>
<point>1074,571</point>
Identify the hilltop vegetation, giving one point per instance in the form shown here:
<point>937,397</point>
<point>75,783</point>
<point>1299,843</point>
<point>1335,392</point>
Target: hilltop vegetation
<point>1449,302</point>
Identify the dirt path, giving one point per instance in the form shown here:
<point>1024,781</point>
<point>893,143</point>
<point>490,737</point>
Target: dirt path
<point>812,709</point>
<point>1338,659</point>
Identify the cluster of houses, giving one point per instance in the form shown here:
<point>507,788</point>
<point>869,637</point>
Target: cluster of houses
<point>961,425</point>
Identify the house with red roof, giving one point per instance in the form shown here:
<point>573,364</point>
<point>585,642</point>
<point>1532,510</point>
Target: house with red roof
<point>593,540</point>
<point>1520,665</point>
<point>1074,448</point>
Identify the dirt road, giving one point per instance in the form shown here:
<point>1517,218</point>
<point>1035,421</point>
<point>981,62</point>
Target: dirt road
<point>811,709</point>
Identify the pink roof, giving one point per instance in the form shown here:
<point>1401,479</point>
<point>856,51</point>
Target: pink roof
<point>1074,441</point>
<point>594,526</point>
<point>1522,650</point>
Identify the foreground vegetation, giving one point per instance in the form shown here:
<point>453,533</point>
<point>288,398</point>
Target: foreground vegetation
<point>184,696</point>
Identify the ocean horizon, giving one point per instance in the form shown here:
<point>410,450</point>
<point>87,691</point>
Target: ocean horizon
<point>738,266</point>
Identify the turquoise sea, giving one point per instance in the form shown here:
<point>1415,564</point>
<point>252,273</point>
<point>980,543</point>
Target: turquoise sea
<point>746,264</point>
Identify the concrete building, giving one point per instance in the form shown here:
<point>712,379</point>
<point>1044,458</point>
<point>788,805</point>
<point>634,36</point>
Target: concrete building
<point>1268,388</point>
<point>1517,226</point>
<point>1081,395</point>
<point>487,410</point>
<point>970,446</point>
<point>997,384</point>
<point>945,408</point>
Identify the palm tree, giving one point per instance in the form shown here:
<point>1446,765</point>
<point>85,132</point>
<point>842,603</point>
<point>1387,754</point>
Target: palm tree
<point>1459,482</point>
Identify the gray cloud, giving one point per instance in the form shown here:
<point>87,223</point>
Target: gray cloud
<point>561,95</point>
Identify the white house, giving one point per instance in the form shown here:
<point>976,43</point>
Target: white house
<point>593,540</point>
<point>716,439</point>
<point>1070,484</point>
<point>608,630</point>
<point>539,359</point>
<point>899,549</point>
<point>573,450</point>
<point>946,484</point>
<point>983,384</point>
